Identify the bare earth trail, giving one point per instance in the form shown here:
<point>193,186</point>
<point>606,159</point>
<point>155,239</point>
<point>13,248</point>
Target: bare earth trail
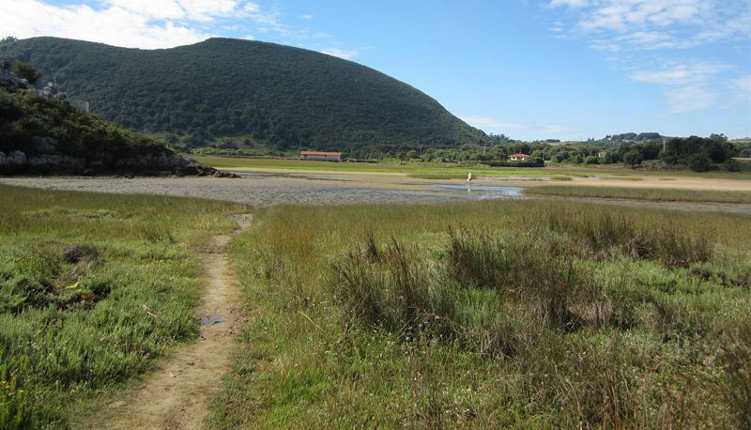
<point>176,396</point>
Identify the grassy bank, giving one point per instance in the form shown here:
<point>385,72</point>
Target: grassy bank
<point>653,194</point>
<point>493,314</point>
<point>450,171</point>
<point>93,288</point>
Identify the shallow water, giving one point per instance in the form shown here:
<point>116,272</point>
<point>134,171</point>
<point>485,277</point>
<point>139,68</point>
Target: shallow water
<point>483,192</point>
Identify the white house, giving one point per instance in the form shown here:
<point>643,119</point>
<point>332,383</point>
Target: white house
<point>519,157</point>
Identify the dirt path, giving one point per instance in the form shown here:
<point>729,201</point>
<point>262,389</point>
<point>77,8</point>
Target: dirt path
<point>176,396</point>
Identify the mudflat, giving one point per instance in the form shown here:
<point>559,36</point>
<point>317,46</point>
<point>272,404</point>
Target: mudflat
<point>264,187</point>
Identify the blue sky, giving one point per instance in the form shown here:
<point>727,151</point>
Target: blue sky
<point>568,69</point>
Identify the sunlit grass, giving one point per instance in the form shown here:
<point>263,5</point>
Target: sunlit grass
<point>653,194</point>
<point>530,314</point>
<point>93,288</point>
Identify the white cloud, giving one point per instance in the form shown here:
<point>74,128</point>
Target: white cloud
<point>112,25</point>
<point>145,24</point>
<point>487,123</point>
<point>569,3</point>
<point>654,24</point>
<point>688,84</point>
<point>497,126</point>
<point>743,84</point>
<point>644,32</point>
<point>341,53</point>
<point>680,74</point>
<point>306,16</point>
<point>690,99</point>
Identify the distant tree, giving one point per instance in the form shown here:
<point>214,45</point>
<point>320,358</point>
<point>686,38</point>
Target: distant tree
<point>26,71</point>
<point>731,165</point>
<point>5,66</point>
<point>632,159</point>
<point>9,39</point>
<point>577,159</point>
<point>592,159</point>
<point>699,162</point>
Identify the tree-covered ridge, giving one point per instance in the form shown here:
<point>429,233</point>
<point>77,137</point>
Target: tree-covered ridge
<point>276,96</point>
<point>46,135</point>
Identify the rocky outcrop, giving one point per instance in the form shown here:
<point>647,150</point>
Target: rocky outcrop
<point>13,83</point>
<point>51,91</point>
<point>162,164</point>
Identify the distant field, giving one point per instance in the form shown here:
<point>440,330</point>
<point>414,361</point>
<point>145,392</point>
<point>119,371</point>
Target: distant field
<point>455,171</point>
<point>517,314</point>
<point>452,171</point>
<point>651,194</point>
<point>93,288</point>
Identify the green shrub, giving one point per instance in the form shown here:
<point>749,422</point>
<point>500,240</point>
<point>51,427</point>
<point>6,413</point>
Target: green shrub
<point>592,159</point>
<point>699,162</point>
<point>731,165</point>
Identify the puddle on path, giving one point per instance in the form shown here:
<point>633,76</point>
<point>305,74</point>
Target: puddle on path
<point>210,320</point>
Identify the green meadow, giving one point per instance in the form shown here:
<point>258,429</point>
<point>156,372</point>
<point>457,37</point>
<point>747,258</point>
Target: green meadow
<point>435,170</point>
<point>532,314</point>
<point>93,289</point>
<point>492,314</point>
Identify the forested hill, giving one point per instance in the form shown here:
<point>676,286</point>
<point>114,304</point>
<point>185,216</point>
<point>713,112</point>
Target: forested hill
<point>277,96</point>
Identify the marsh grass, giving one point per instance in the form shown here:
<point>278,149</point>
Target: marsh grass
<point>652,194</point>
<point>438,175</point>
<point>491,314</point>
<point>93,288</point>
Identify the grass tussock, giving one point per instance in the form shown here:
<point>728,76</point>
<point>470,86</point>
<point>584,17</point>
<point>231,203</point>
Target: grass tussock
<point>530,314</point>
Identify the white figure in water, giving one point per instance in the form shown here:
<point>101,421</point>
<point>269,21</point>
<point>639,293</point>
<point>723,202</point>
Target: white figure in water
<point>469,182</point>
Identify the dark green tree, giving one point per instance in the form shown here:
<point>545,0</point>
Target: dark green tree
<point>27,71</point>
<point>632,159</point>
<point>731,165</point>
<point>699,162</point>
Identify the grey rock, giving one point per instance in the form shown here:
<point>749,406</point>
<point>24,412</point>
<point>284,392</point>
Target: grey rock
<point>17,158</point>
<point>45,145</point>
<point>14,83</point>
<point>51,91</point>
<point>65,161</point>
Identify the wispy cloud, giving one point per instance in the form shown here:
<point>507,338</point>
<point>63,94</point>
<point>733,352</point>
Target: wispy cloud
<point>341,53</point>
<point>493,125</point>
<point>653,24</point>
<point>690,99</point>
<point>688,85</point>
<point>651,33</point>
<point>743,84</point>
<point>680,73</point>
<point>112,24</point>
<point>151,24</point>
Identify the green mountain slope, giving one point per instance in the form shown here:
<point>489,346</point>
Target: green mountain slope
<point>278,96</point>
<point>42,135</point>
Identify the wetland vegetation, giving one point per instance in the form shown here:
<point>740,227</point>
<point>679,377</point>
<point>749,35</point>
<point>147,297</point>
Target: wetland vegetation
<point>93,289</point>
<point>518,314</point>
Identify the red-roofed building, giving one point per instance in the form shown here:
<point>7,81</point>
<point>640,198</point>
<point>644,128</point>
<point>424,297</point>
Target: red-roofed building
<point>325,156</point>
<point>519,157</point>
